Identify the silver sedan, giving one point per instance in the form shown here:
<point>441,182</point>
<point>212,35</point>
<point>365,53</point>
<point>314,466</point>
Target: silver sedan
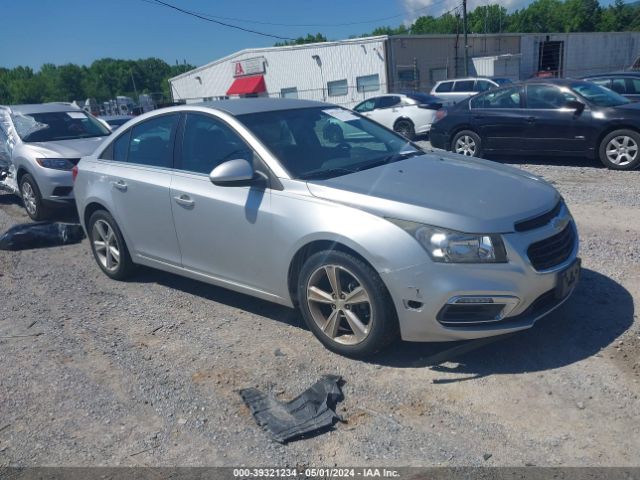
<point>369,236</point>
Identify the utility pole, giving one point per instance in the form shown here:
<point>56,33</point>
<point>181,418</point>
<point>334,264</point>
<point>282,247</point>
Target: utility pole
<point>466,45</point>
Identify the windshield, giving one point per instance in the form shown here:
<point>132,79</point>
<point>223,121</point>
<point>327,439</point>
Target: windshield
<point>326,142</point>
<point>52,126</point>
<point>597,95</point>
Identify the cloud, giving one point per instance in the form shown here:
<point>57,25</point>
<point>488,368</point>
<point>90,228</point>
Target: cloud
<point>418,8</point>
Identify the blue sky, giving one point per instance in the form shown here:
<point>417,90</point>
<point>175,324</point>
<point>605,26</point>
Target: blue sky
<point>34,32</point>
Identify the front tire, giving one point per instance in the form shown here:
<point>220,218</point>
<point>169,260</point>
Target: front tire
<point>346,305</point>
<point>405,128</point>
<point>620,150</point>
<point>32,199</point>
<point>468,143</point>
<point>108,246</point>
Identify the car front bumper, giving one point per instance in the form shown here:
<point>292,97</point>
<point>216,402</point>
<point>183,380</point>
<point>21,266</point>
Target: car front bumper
<point>439,140</point>
<point>422,292</point>
<point>56,186</point>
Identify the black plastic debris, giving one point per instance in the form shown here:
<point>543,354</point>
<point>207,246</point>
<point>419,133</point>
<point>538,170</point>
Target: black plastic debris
<point>311,411</point>
<point>40,235</point>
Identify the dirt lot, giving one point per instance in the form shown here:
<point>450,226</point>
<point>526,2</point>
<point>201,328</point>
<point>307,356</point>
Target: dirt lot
<point>146,372</point>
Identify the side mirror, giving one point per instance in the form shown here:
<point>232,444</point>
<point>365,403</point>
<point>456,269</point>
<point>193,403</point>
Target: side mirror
<point>233,173</point>
<point>575,105</point>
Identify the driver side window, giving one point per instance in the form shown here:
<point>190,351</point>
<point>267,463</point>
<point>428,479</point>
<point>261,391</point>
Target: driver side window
<point>208,142</point>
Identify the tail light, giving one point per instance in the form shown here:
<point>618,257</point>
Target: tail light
<point>74,172</point>
<point>430,106</point>
<point>440,114</point>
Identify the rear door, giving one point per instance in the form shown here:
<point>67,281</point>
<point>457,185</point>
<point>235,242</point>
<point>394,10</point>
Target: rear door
<point>387,110</point>
<point>498,116</point>
<point>140,177</point>
<point>551,125</point>
<point>221,229</point>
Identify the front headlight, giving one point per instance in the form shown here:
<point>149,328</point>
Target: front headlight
<point>449,246</point>
<point>55,163</point>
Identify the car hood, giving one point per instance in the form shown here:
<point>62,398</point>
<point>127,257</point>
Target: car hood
<point>75,148</point>
<point>445,190</point>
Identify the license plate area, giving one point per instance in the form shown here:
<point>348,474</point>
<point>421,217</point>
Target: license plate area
<point>567,279</point>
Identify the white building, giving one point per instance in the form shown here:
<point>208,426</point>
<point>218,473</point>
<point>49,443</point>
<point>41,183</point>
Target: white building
<point>343,72</point>
<point>348,71</point>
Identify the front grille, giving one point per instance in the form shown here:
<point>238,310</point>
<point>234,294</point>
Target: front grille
<point>552,251</point>
<point>539,221</point>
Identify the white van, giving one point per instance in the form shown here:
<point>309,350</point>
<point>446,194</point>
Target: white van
<point>460,88</point>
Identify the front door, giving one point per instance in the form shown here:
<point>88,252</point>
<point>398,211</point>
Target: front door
<point>552,126</point>
<point>221,229</point>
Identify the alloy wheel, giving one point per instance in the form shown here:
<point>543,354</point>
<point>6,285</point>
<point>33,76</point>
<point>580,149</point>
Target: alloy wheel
<point>29,198</point>
<point>339,304</point>
<point>105,244</point>
<point>622,150</point>
<point>465,145</point>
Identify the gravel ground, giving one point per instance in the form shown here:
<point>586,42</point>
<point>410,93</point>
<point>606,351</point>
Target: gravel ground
<point>146,372</point>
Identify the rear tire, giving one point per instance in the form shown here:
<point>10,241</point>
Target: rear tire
<point>405,128</point>
<point>358,321</point>
<point>32,199</point>
<point>468,143</point>
<point>108,246</point>
<point>620,150</point>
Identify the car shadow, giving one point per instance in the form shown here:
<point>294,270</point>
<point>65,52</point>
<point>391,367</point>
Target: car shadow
<point>65,213</point>
<point>241,301</point>
<point>546,160</point>
<point>599,311</point>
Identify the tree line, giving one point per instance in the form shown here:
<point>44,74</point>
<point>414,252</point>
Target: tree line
<point>108,77</point>
<point>103,79</point>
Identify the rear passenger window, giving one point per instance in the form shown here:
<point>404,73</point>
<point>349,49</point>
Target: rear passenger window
<point>505,98</point>
<point>208,142</point>
<point>151,141</point>
<point>633,86</point>
<point>618,85</point>
<point>121,147</point>
<point>444,87</point>
<point>464,86</point>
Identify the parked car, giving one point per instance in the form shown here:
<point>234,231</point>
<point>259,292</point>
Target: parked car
<point>544,117</point>
<point>462,88</point>
<point>626,84</point>
<point>40,144</point>
<point>408,114</point>
<point>365,236</point>
<point>116,121</point>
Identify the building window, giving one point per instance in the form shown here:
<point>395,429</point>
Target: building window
<point>408,77</point>
<point>368,83</point>
<point>438,74</point>
<point>289,92</point>
<point>337,88</point>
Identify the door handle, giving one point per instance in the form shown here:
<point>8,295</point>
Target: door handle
<point>184,200</point>
<point>120,185</point>
<point>531,119</point>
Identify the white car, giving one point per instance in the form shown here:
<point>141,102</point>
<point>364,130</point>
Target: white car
<point>408,114</point>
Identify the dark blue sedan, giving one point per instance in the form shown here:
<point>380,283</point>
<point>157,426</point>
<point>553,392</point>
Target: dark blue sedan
<point>559,117</point>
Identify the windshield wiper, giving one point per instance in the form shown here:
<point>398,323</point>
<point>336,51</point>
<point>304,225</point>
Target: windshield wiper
<point>322,174</point>
<point>395,157</point>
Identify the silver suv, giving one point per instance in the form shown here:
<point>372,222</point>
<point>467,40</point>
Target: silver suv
<point>39,145</point>
<point>368,235</point>
<point>461,88</point>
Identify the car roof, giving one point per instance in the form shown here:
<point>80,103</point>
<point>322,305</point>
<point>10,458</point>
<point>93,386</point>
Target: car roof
<point>614,74</point>
<point>43,108</point>
<point>467,78</point>
<point>116,117</point>
<point>243,106</point>
<point>554,81</point>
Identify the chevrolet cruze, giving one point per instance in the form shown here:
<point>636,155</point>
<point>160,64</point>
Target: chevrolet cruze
<point>369,236</point>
